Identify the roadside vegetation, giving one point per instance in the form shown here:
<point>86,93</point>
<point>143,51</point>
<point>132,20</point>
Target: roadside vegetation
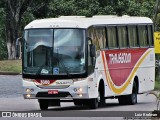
<point>14,66</point>
<point>157,83</point>
<point>15,14</point>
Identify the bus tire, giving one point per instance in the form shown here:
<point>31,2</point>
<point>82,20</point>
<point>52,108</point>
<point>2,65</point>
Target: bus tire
<point>43,104</point>
<point>122,100</point>
<point>129,99</point>
<point>132,98</point>
<point>93,103</point>
<point>101,98</point>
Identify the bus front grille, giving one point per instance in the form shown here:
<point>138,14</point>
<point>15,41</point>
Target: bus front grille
<point>60,94</point>
<point>54,87</point>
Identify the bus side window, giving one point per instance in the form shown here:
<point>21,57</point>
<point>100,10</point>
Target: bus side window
<point>143,37</point>
<point>122,36</point>
<point>150,35</point>
<point>92,34</point>
<point>112,37</point>
<point>90,59</point>
<point>98,36</point>
<point>132,36</point>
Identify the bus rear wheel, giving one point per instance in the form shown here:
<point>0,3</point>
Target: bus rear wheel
<point>132,98</point>
<point>129,99</point>
<point>43,104</point>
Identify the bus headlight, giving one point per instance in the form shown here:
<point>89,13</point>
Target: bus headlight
<point>80,95</point>
<point>28,80</point>
<point>78,89</point>
<point>28,95</point>
<point>29,90</point>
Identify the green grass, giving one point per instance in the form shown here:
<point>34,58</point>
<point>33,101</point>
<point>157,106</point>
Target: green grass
<point>11,66</point>
<point>157,82</point>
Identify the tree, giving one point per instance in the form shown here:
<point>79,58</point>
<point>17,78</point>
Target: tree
<point>61,8</point>
<point>3,53</point>
<point>15,9</point>
<point>87,7</point>
<point>73,7</point>
<point>15,14</point>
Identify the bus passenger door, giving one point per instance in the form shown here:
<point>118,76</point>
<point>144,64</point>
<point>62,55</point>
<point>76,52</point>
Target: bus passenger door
<point>91,57</point>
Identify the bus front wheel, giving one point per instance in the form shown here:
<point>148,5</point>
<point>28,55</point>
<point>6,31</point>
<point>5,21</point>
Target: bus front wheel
<point>43,104</point>
<point>78,102</point>
<point>93,103</point>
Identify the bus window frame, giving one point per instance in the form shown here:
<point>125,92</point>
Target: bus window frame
<point>147,36</point>
<point>152,33</point>
<point>138,42</point>
<point>116,30</point>
<point>145,25</point>
<point>106,46</point>
<point>100,27</point>
<point>127,40</point>
<point>131,25</point>
<point>58,77</point>
<point>151,42</point>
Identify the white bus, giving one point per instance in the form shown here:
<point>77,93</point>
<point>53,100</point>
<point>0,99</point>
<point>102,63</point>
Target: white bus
<point>87,60</point>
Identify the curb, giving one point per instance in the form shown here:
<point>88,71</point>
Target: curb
<point>10,73</point>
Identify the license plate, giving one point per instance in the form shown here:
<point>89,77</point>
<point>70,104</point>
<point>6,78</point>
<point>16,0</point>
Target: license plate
<point>52,91</point>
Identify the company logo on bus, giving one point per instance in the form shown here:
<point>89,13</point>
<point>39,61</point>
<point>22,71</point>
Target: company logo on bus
<point>120,58</point>
<point>44,82</point>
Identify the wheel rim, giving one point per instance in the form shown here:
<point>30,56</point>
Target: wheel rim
<point>134,97</point>
<point>99,98</point>
<point>96,103</point>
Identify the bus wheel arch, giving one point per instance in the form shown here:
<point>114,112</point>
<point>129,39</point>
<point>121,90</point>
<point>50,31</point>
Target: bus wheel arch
<point>130,99</point>
<point>100,100</point>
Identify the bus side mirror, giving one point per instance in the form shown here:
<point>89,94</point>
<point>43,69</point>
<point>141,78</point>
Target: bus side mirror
<point>17,51</point>
<point>17,48</point>
<point>92,50</point>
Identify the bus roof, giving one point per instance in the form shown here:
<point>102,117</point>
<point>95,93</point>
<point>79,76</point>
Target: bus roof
<point>85,22</point>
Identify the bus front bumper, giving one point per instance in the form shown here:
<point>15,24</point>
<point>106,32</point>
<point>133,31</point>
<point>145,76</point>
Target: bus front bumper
<point>78,90</point>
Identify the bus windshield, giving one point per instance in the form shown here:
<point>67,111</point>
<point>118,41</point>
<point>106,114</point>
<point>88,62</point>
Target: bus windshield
<point>54,51</point>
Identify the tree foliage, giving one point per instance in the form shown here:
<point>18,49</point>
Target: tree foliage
<point>15,14</point>
<point>15,10</point>
<point>3,49</point>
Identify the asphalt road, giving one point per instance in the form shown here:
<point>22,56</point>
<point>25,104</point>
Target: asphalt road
<point>11,100</point>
